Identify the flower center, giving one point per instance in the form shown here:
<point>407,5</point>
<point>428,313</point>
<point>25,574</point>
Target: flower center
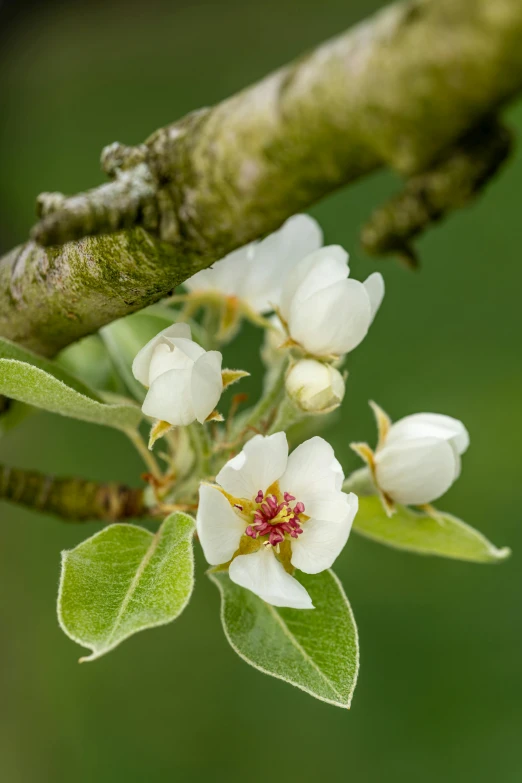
<point>275,519</point>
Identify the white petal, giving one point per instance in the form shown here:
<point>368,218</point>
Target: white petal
<point>262,461</point>
<point>315,272</point>
<point>141,363</point>
<point>418,471</point>
<point>332,321</point>
<point>219,527</point>
<point>170,398</point>
<point>276,255</point>
<point>374,285</point>
<point>264,575</point>
<point>322,541</point>
<point>207,384</point>
<point>329,506</point>
<point>225,276</point>
<point>164,357</point>
<point>436,425</point>
<point>312,470</point>
<point>191,350</point>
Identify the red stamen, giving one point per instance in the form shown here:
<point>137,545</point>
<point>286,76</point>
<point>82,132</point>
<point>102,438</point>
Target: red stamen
<point>275,520</point>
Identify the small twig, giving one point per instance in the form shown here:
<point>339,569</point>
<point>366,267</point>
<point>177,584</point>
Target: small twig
<point>72,499</point>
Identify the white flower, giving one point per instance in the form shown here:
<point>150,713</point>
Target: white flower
<point>418,457</point>
<point>292,507</point>
<point>253,273</point>
<point>315,387</point>
<point>325,311</point>
<point>184,380</point>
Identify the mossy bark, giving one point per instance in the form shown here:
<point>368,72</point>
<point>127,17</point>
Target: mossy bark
<point>398,90</point>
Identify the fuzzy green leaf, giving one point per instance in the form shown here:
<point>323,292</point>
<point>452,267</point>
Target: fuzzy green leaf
<point>417,532</point>
<point>314,649</point>
<point>44,384</point>
<point>89,360</point>
<point>123,580</point>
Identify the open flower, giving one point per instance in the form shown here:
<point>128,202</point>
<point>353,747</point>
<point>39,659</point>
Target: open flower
<point>417,458</point>
<point>315,387</point>
<point>253,273</point>
<point>324,310</point>
<point>271,512</point>
<point>184,380</point>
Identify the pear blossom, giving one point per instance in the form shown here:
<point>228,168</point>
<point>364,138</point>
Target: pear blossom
<point>324,310</point>
<point>253,273</point>
<point>315,387</point>
<point>270,513</point>
<point>417,458</point>
<point>183,379</point>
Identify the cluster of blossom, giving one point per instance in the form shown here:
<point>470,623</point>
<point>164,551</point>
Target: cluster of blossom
<point>269,512</point>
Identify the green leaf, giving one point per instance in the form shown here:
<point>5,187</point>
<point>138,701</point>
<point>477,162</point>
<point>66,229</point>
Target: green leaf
<point>44,384</point>
<point>12,414</point>
<point>89,360</point>
<point>125,337</point>
<point>314,649</point>
<point>123,580</point>
<point>446,536</point>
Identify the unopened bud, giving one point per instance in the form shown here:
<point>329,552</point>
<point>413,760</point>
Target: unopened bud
<point>315,387</point>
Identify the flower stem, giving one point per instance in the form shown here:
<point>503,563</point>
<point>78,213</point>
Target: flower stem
<point>202,448</point>
<point>287,415</point>
<point>147,456</point>
<point>269,400</point>
<point>360,482</point>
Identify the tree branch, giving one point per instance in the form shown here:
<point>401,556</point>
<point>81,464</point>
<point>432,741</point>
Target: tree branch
<point>71,499</point>
<point>399,90</point>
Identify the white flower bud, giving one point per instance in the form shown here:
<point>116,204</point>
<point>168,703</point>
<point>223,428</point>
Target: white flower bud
<point>315,387</point>
<point>326,311</point>
<point>184,380</point>
<point>420,457</point>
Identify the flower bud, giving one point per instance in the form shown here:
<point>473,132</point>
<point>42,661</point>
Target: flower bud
<point>419,458</point>
<point>327,312</point>
<point>315,387</point>
<point>185,381</point>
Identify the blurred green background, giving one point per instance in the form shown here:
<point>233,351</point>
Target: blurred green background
<point>440,689</point>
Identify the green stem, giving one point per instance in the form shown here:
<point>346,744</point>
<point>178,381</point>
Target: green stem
<point>287,415</point>
<point>269,400</point>
<point>147,456</point>
<point>360,482</point>
<point>202,448</point>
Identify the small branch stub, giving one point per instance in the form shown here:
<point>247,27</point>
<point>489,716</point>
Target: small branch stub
<point>71,499</point>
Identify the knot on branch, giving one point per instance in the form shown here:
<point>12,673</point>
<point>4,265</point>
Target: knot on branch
<point>128,200</point>
<point>450,184</point>
<point>146,181</point>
